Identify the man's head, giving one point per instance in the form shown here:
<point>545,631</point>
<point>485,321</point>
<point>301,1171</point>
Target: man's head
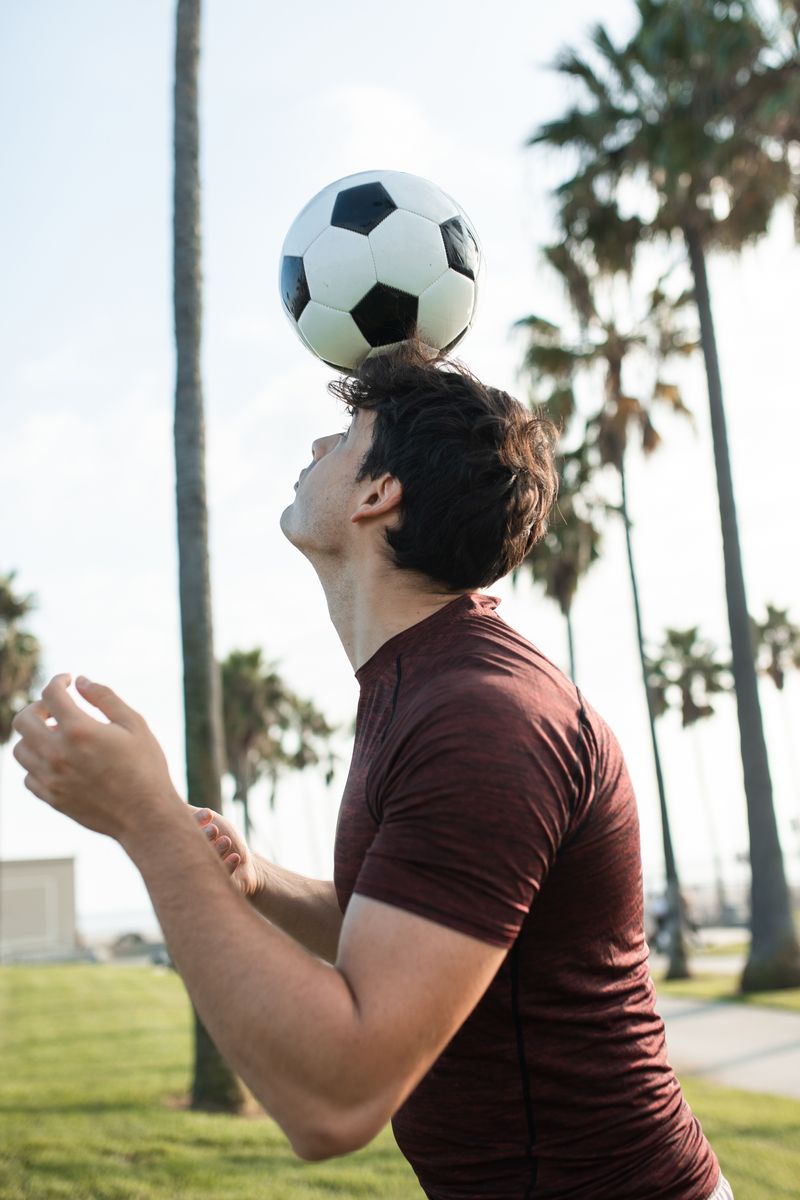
<point>437,475</point>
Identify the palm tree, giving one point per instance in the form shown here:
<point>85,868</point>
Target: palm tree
<point>700,110</point>
<point>776,645</point>
<point>20,656</point>
<point>684,673</point>
<point>214,1086</point>
<point>268,729</point>
<point>570,547</point>
<point>601,342</point>
<point>549,368</point>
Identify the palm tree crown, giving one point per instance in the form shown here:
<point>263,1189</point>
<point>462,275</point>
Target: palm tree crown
<point>701,106</point>
<point>20,655</point>
<point>268,728</point>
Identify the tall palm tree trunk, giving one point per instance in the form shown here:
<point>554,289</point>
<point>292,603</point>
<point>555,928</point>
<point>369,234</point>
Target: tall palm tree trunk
<point>774,960</point>
<point>243,796</point>
<point>571,643</point>
<point>678,967</point>
<point>215,1085</point>
<point>713,837</point>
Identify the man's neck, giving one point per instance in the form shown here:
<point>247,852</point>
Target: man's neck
<point>367,612</point>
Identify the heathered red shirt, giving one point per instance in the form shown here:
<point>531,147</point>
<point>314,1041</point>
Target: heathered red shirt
<point>486,794</point>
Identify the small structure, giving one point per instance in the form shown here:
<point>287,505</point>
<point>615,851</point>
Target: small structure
<point>37,910</point>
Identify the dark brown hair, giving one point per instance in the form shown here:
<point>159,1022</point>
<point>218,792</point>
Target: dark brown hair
<point>476,466</point>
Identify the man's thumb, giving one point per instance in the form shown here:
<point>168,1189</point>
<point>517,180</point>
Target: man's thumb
<point>105,699</point>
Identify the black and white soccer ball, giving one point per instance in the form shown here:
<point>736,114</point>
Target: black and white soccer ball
<point>375,257</point>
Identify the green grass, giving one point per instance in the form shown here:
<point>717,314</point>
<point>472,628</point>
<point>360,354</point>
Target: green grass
<point>755,1137</point>
<point>96,1060</point>
<point>724,988</point>
<point>731,950</point>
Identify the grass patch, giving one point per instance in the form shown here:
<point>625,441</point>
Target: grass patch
<point>755,1137</point>
<point>96,1060</point>
<point>732,950</point>
<point>724,988</point>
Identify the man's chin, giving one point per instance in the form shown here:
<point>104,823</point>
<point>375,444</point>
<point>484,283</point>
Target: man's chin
<point>287,528</point>
<point>285,521</point>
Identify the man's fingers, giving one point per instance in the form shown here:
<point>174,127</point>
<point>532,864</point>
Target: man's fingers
<point>110,704</point>
<point>58,700</point>
<point>27,757</point>
<point>35,785</point>
<point>37,710</point>
<point>30,723</point>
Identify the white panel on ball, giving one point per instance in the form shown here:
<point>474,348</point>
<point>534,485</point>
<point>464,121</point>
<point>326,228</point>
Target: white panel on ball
<point>446,307</point>
<point>419,196</point>
<point>302,336</point>
<point>339,268</point>
<point>310,222</point>
<point>333,334</point>
<point>409,252</point>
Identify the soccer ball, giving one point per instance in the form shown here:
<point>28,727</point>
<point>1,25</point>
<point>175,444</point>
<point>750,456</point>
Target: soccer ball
<point>371,258</point>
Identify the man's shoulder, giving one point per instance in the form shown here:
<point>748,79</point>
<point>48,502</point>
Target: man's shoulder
<point>472,704</point>
<point>469,685</point>
<point>484,678</point>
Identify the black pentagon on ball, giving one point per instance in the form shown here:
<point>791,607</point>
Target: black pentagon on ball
<point>294,285</point>
<point>385,315</point>
<point>461,248</point>
<point>362,208</point>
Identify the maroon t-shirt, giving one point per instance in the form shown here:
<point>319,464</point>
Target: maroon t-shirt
<point>486,794</point>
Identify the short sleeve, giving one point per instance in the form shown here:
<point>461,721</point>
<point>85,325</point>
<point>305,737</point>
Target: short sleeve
<point>474,798</point>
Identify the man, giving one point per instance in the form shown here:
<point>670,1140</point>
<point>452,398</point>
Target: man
<point>476,971</point>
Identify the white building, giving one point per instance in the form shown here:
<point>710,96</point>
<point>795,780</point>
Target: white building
<point>37,909</point>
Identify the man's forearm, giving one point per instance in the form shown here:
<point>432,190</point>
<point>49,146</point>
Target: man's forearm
<point>306,909</point>
<point>286,1022</point>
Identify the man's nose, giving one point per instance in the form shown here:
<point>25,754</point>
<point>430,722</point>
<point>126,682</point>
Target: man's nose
<point>322,445</point>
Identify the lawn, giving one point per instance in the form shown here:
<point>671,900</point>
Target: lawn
<point>723,950</point>
<point>96,1063</point>
<point>704,986</point>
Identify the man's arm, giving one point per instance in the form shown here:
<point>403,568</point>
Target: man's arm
<point>307,909</point>
<point>330,1051</point>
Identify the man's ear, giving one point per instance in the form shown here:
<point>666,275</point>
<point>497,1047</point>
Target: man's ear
<point>381,496</point>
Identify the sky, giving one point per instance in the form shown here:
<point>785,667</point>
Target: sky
<point>292,98</point>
